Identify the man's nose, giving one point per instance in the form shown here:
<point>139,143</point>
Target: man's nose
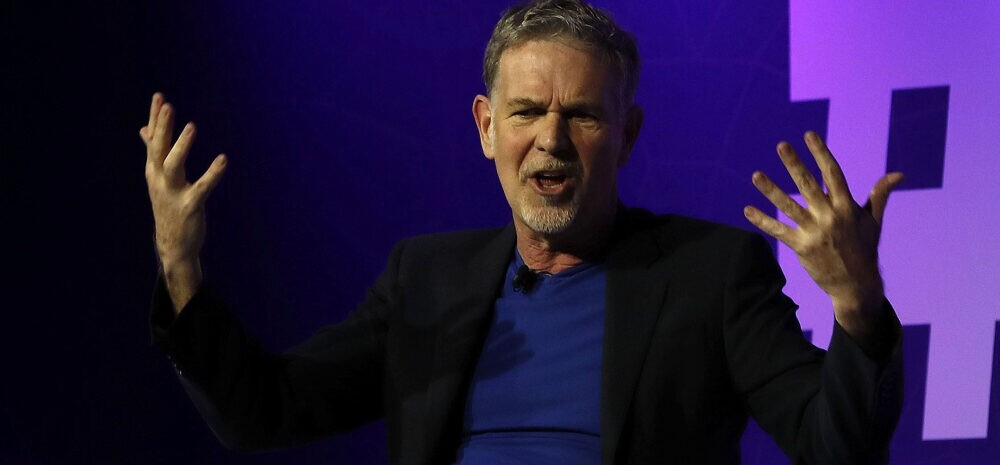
<point>553,135</point>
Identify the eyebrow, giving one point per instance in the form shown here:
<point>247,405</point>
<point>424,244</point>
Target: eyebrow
<point>523,102</point>
<point>526,102</point>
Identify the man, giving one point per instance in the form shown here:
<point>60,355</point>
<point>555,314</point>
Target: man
<point>585,332</point>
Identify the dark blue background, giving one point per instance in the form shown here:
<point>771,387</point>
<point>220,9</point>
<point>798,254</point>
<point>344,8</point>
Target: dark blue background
<point>348,127</point>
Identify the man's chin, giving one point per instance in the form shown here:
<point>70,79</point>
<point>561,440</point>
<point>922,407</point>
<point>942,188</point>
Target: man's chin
<point>548,219</point>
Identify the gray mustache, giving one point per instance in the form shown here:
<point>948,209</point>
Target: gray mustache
<point>566,167</point>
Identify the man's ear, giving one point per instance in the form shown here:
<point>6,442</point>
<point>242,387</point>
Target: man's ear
<point>633,123</point>
<point>482,111</point>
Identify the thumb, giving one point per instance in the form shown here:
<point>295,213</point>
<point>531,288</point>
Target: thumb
<point>879,196</point>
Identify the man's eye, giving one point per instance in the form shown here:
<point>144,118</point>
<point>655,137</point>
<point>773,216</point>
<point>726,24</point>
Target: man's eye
<point>529,113</point>
<point>583,117</point>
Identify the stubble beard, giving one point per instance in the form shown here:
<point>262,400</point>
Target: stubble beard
<point>551,216</point>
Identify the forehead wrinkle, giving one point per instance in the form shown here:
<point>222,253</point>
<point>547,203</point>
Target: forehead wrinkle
<point>531,79</point>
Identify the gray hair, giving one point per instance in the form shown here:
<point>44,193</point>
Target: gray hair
<point>570,20</point>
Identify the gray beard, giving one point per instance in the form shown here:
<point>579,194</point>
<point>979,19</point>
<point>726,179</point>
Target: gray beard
<point>552,216</point>
<point>549,218</point>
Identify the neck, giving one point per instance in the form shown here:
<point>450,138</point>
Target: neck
<point>552,253</point>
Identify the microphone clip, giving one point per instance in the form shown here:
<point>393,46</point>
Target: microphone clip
<point>524,279</point>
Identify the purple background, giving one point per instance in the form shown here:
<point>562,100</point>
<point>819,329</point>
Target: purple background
<point>928,68</point>
<point>349,127</point>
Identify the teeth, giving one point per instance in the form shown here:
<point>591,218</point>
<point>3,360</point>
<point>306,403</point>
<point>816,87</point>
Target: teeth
<point>550,181</point>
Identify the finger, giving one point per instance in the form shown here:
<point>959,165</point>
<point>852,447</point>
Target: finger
<point>154,109</point>
<point>780,199</point>
<point>144,134</point>
<point>879,196</point>
<point>771,226</point>
<point>161,135</point>
<point>207,182</point>
<point>173,164</point>
<point>803,179</point>
<point>833,176</point>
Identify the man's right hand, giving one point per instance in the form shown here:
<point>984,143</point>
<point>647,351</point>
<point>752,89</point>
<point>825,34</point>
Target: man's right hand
<point>178,206</point>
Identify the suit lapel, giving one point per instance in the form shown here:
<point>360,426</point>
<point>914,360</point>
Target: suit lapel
<point>637,285</point>
<point>463,329</point>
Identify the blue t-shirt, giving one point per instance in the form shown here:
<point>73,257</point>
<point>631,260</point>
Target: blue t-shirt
<point>535,395</point>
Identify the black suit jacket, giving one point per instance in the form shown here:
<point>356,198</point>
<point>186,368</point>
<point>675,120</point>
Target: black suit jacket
<point>697,337</point>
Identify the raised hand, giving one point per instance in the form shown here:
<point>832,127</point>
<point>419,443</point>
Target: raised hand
<point>178,206</point>
<point>836,240</point>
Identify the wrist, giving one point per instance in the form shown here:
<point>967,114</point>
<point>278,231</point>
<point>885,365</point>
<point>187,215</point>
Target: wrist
<point>861,315</point>
<point>182,277</point>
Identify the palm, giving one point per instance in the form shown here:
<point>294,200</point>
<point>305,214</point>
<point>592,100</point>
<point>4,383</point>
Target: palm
<point>835,239</point>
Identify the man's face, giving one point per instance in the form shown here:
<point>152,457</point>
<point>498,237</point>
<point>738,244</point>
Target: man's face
<point>557,133</point>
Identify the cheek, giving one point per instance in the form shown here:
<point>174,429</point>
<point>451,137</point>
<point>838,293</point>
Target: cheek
<point>510,147</point>
<point>600,161</point>
<point>509,183</point>
<point>597,151</point>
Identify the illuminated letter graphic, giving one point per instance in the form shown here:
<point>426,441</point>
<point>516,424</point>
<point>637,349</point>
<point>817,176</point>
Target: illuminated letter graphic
<point>915,86</point>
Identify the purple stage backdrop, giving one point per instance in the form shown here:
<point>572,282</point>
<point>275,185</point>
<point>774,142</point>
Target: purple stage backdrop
<point>913,86</point>
<point>349,127</point>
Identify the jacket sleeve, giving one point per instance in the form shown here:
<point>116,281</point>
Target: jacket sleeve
<point>835,407</point>
<point>256,400</point>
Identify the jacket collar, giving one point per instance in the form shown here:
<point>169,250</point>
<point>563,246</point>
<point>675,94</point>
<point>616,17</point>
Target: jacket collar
<point>460,342</point>
<point>636,289</point>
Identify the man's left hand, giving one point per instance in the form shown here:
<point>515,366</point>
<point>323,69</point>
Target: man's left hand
<point>836,239</point>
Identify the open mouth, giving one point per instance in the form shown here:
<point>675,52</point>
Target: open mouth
<point>550,179</point>
<point>551,182</point>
